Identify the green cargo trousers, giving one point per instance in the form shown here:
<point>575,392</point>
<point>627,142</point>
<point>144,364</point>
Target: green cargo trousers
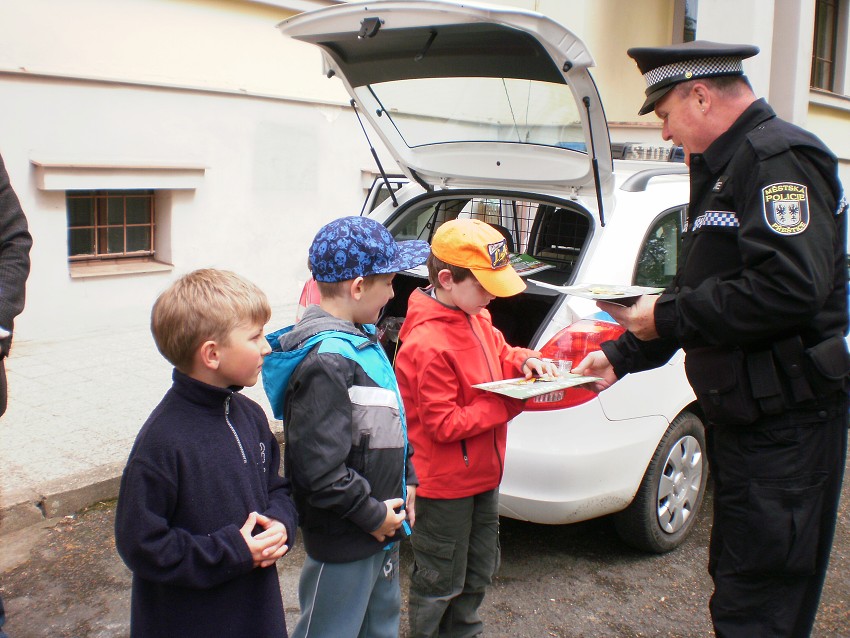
<point>455,556</point>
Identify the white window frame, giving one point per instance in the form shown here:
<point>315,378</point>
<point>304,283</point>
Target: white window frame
<point>164,179</point>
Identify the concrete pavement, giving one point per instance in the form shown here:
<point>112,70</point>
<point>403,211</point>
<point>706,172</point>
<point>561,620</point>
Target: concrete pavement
<point>75,407</point>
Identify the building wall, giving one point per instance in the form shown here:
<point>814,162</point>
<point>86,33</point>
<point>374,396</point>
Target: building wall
<point>212,88</point>
<point>782,29</point>
<point>155,83</point>
<point>228,45</point>
<point>608,28</point>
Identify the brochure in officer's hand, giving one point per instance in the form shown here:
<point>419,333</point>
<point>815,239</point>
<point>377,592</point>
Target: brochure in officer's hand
<point>522,388</point>
<point>613,293</point>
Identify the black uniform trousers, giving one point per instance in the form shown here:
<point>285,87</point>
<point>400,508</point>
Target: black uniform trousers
<point>777,484</point>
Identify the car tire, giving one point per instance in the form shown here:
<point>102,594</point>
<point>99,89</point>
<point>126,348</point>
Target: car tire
<point>668,501</point>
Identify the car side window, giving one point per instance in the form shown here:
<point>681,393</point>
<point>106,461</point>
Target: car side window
<point>659,253</point>
<point>416,224</point>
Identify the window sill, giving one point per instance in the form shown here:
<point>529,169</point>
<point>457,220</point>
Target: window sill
<point>113,267</point>
<point>829,100</point>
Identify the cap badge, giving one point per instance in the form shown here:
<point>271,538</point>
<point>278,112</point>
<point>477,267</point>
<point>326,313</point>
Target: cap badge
<point>498,252</point>
<point>786,207</point>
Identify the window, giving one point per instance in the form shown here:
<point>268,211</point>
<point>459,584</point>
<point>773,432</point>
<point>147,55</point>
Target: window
<point>110,224</point>
<point>685,20</point>
<point>825,45</point>
<point>554,234</point>
<point>689,32</point>
<point>659,255</point>
<point>378,191</point>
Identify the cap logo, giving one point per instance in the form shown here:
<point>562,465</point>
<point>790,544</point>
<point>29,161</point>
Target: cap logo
<point>689,74</point>
<point>786,207</point>
<point>498,252</point>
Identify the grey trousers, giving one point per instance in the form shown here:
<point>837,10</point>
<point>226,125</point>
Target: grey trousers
<point>456,554</point>
<point>360,599</point>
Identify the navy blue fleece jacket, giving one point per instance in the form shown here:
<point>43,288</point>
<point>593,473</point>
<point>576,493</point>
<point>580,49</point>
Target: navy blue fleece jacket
<point>203,461</point>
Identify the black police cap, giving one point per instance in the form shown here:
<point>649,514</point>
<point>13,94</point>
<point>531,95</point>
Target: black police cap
<point>665,67</point>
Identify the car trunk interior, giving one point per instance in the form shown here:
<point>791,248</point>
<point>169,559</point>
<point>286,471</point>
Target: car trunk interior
<point>551,234</point>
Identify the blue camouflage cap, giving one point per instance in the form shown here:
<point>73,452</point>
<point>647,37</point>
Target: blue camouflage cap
<point>352,247</point>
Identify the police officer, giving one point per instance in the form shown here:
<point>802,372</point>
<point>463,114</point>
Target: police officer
<point>759,304</point>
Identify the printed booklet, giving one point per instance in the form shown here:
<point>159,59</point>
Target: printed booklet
<point>527,265</point>
<point>522,388</point>
<point>614,293</point>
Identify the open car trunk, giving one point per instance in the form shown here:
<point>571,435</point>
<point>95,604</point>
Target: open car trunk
<point>546,236</point>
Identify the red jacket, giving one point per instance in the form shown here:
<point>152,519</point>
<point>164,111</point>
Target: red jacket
<point>458,432</point>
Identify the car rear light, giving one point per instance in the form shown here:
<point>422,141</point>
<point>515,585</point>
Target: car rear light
<point>573,343</point>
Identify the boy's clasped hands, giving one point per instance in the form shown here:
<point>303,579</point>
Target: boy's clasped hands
<point>270,544</point>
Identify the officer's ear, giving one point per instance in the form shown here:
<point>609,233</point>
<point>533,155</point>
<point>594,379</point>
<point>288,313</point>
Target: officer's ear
<point>702,95</point>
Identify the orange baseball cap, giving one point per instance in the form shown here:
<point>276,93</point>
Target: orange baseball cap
<point>470,243</point>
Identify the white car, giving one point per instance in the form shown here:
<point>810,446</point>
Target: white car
<point>492,113</point>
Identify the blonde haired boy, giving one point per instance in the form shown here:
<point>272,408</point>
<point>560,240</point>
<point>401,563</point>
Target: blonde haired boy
<point>203,513</point>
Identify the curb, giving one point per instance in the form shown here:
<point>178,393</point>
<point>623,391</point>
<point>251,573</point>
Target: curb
<point>58,498</point>
<point>22,508</point>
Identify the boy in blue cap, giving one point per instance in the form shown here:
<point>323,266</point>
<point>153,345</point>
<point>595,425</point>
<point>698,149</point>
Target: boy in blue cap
<point>346,449</point>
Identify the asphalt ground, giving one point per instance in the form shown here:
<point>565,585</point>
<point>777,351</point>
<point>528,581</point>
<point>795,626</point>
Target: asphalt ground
<point>575,581</point>
<point>75,408</point>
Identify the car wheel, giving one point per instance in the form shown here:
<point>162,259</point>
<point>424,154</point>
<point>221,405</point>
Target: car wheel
<point>667,503</point>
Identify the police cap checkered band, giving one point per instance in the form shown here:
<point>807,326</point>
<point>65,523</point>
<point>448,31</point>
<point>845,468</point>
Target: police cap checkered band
<point>664,67</point>
<point>699,68</point>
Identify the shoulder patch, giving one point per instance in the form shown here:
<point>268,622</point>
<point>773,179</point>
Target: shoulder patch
<point>786,207</point>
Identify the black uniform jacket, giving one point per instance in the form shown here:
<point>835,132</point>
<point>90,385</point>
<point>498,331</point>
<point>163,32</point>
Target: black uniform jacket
<point>15,243</point>
<point>763,252</point>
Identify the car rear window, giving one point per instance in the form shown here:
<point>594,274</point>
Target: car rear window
<point>554,233</point>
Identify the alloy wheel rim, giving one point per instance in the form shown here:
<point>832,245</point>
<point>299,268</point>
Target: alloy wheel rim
<point>680,484</point>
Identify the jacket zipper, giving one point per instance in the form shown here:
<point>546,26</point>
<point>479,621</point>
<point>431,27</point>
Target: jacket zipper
<point>492,378</point>
<point>232,429</point>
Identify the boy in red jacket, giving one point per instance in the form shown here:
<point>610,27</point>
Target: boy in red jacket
<point>458,432</point>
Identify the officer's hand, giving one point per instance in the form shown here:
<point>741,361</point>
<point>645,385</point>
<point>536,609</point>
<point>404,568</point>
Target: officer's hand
<point>596,364</point>
<point>639,319</point>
